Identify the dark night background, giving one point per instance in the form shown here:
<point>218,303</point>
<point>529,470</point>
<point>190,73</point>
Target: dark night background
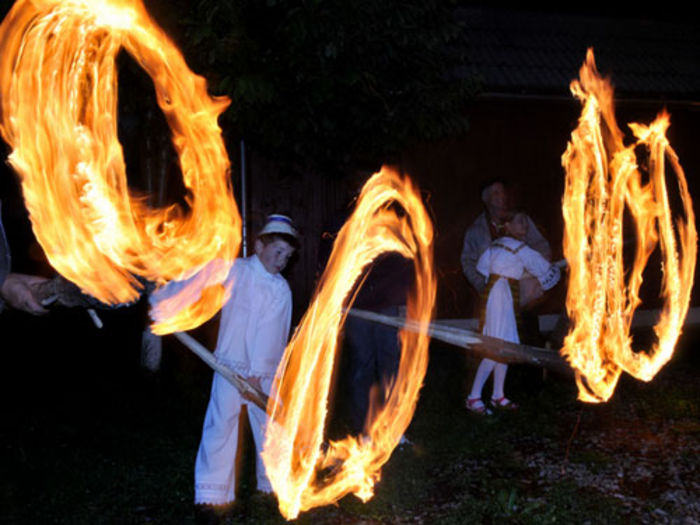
<point>452,93</point>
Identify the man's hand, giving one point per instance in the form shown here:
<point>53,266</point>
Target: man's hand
<point>19,292</point>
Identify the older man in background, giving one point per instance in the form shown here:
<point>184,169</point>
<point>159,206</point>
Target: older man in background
<point>490,225</point>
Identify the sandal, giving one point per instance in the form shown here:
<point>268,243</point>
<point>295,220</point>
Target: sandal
<point>477,406</point>
<point>503,402</point>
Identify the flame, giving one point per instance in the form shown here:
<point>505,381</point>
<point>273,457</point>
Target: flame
<point>302,473</point>
<point>602,180</point>
<point>58,96</point>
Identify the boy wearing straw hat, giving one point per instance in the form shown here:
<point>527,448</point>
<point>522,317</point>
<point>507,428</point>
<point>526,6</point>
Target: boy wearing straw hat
<point>252,336</point>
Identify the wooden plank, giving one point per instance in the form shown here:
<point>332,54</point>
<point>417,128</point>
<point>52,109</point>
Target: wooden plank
<point>490,347</point>
<point>641,319</point>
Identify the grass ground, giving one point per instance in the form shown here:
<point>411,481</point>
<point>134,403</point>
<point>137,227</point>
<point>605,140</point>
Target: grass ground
<point>88,439</point>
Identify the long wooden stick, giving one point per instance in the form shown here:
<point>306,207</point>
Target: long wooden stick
<point>491,347</point>
<point>249,391</point>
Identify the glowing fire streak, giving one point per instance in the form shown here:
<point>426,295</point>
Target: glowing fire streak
<point>58,90</point>
<point>293,454</point>
<point>602,179</point>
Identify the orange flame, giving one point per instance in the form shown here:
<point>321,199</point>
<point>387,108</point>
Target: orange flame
<point>58,95</point>
<point>602,180</point>
<point>293,453</point>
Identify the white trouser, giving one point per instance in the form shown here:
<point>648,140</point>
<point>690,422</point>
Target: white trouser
<point>215,466</point>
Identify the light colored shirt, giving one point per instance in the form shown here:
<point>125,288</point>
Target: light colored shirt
<point>510,258</point>
<point>255,321</point>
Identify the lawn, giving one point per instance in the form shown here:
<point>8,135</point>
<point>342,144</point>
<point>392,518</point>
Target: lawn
<point>87,438</point>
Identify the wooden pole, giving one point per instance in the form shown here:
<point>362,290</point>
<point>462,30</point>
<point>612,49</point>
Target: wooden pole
<point>490,347</point>
<point>247,390</point>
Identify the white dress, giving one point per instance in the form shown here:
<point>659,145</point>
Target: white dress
<point>510,258</point>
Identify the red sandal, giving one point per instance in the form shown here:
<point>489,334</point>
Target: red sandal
<point>477,406</point>
<point>503,403</point>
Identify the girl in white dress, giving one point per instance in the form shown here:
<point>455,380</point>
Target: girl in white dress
<point>503,265</point>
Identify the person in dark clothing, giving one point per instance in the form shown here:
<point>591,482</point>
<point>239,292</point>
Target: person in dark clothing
<point>371,351</point>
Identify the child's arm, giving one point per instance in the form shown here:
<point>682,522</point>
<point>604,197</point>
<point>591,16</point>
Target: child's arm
<point>547,274</point>
<point>177,295</point>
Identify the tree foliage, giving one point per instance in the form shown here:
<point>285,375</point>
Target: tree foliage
<point>325,83</point>
<point>330,82</point>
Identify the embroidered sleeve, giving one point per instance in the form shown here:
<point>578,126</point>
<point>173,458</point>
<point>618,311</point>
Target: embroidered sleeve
<point>547,274</point>
<point>551,278</point>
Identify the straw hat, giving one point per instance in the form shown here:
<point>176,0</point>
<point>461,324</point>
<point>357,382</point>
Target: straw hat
<point>279,224</point>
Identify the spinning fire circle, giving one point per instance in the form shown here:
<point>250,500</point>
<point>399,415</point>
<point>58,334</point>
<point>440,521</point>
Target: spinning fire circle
<point>58,90</point>
<point>602,180</point>
<point>302,472</point>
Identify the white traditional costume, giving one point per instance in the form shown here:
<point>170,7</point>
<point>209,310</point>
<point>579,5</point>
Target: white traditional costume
<point>252,336</point>
<point>508,258</point>
<point>503,265</point>
<point>478,238</point>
